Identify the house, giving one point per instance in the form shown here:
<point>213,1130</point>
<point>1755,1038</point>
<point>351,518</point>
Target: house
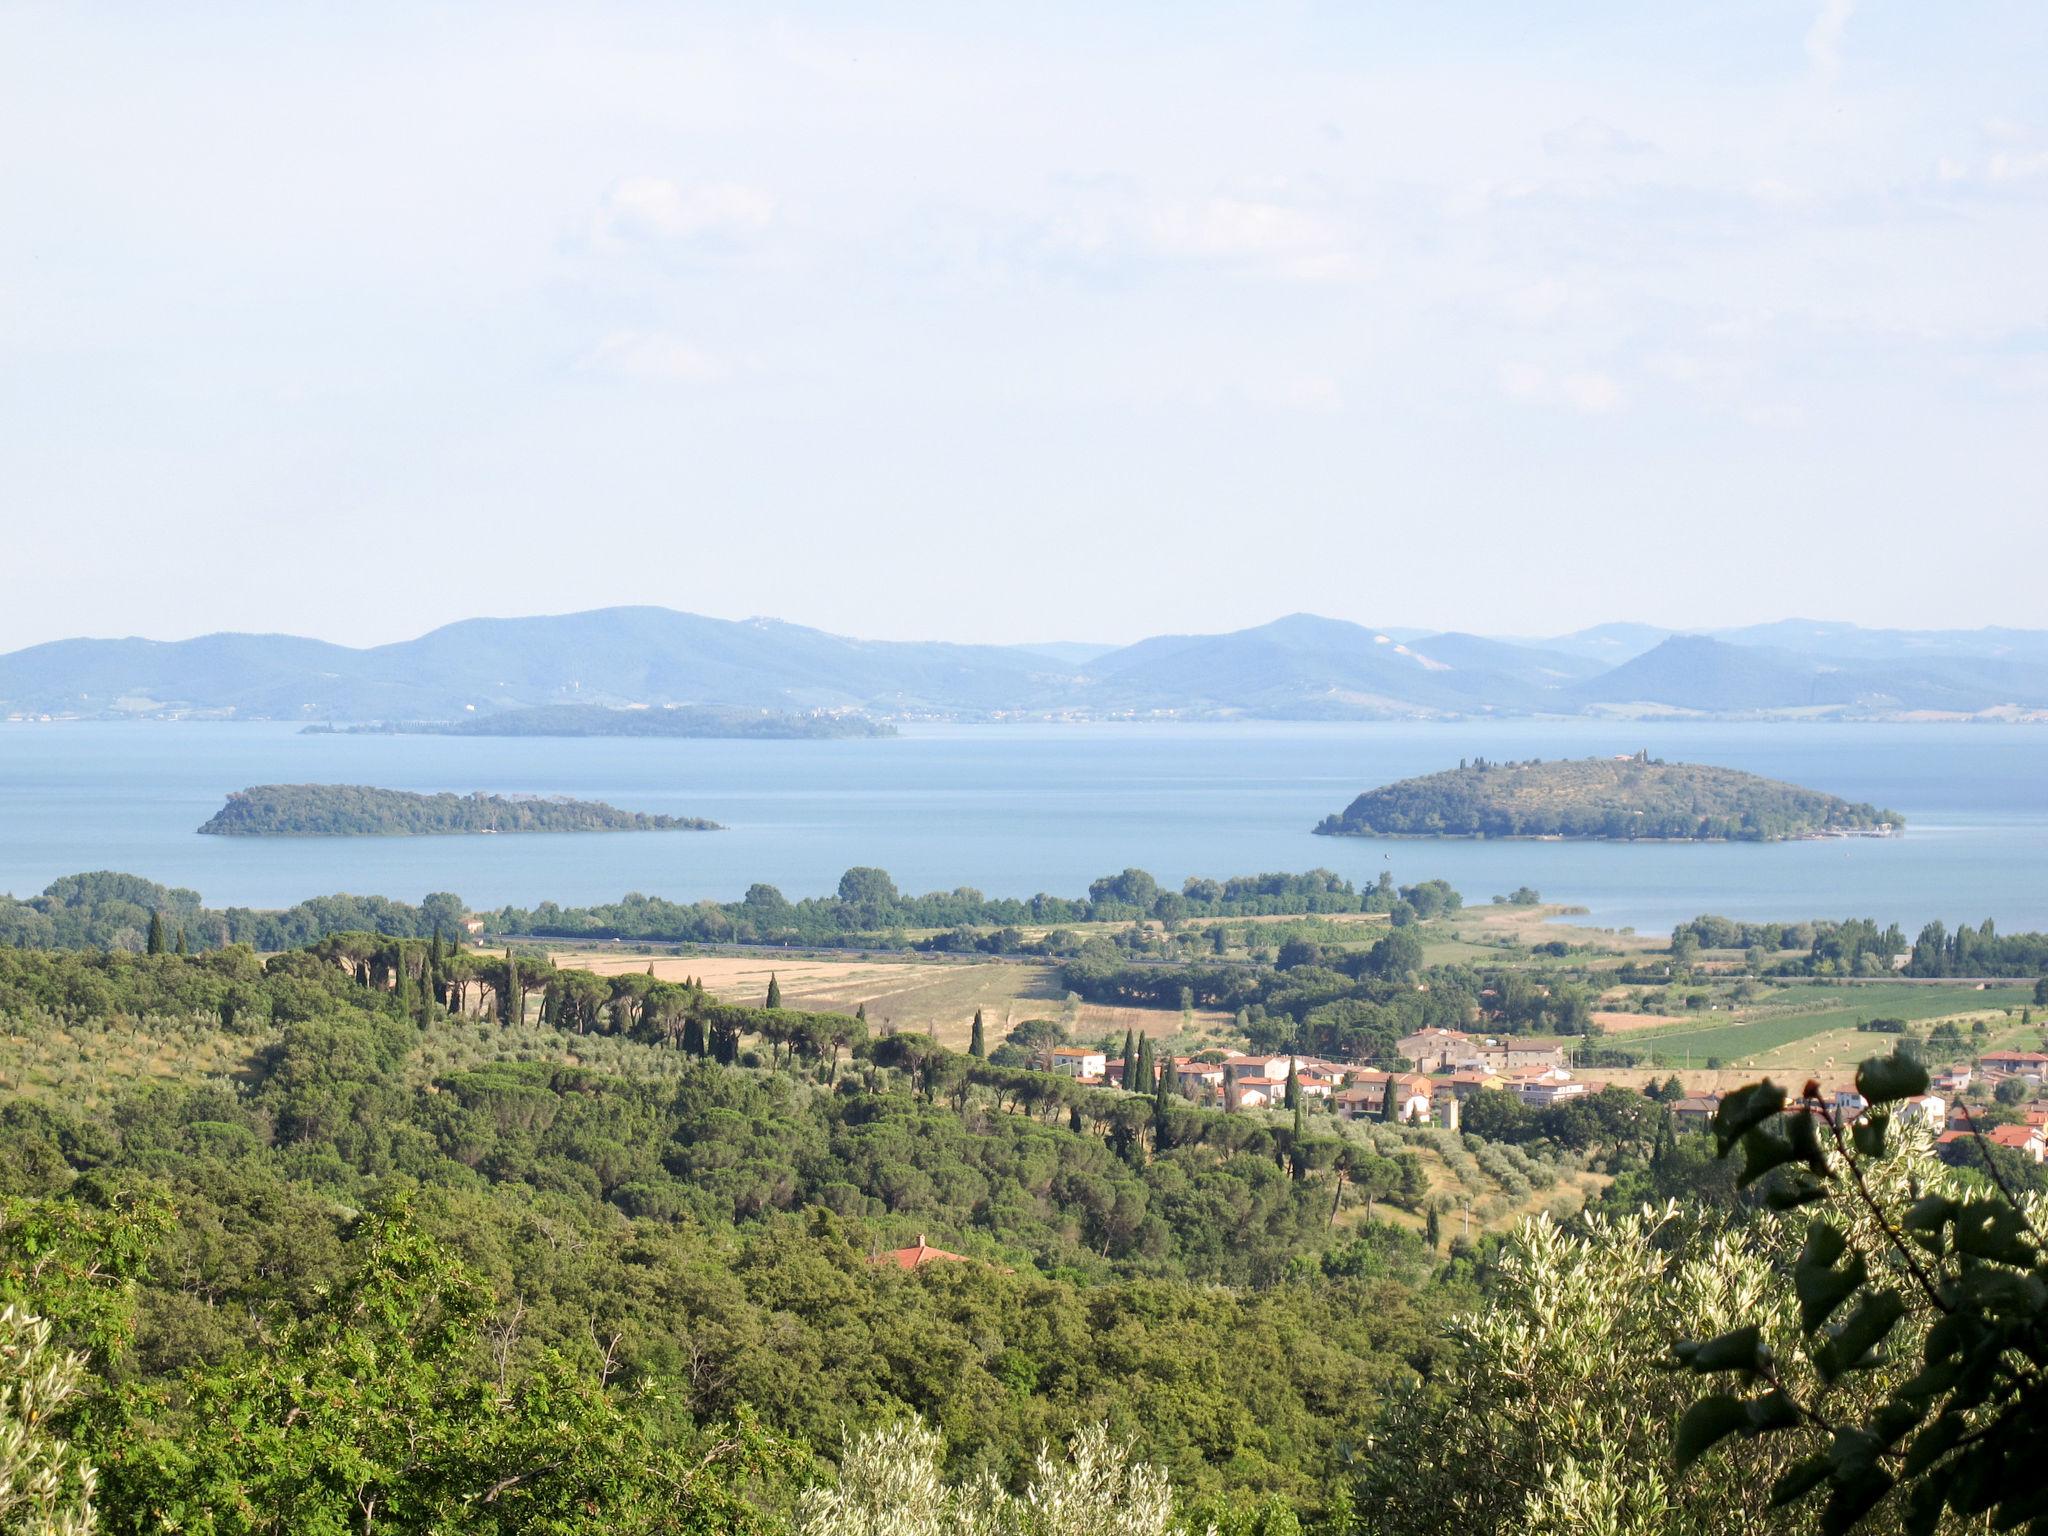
<point>1543,1090</point>
<point>922,1254</point>
<point>1197,1078</point>
<point>1259,1094</point>
<point>1463,1085</point>
<point>1433,1050</point>
<point>1074,1061</point>
<point>1696,1113</point>
<point>2014,1063</point>
<point>1366,1098</point>
<point>1507,1055</point>
<point>2024,1139</point>
<point>1952,1080</point>
<point>1928,1109</point>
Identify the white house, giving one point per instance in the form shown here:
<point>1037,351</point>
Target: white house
<point>1073,1061</point>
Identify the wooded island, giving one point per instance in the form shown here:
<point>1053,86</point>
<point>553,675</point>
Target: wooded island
<point>358,810</point>
<point>1605,798</point>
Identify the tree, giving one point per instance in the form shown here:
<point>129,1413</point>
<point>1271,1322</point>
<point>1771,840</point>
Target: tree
<point>1900,1265</point>
<point>977,1044</point>
<point>1146,1080</point>
<point>155,945</point>
<point>1549,1411</point>
<point>1131,1060</point>
<point>890,1484</point>
<point>379,1409</point>
<point>1293,1090</point>
<point>774,999</point>
<point>46,1485</point>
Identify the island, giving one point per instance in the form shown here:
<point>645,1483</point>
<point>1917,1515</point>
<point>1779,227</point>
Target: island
<point>1615,799</point>
<point>358,810</point>
<point>703,722</point>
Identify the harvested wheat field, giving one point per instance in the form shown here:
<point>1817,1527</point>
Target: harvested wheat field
<point>919,995</point>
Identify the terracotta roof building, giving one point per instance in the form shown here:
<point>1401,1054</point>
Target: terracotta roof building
<point>915,1258</point>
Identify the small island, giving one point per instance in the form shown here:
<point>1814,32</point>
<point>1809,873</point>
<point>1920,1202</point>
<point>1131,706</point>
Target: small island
<point>699,722</point>
<point>358,810</point>
<point>1613,799</point>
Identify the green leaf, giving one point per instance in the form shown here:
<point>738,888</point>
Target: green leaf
<point>1741,1350</point>
<point>1706,1424</point>
<point>1799,1481</point>
<point>1762,1151</point>
<point>1774,1410</point>
<point>1802,1129</point>
<point>1818,1284</point>
<point>1790,1195</point>
<point>1743,1109</point>
<point>1887,1079</point>
<point>1853,1499</point>
<point>1868,1133</point>
<point>1850,1348</point>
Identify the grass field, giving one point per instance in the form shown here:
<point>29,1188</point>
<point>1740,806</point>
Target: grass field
<point>1818,1029</point>
<point>912,995</point>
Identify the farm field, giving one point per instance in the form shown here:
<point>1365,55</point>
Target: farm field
<point>939,996</point>
<point>1820,1030</point>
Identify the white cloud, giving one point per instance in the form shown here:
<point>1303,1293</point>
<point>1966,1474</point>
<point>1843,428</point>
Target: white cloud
<point>653,355</point>
<point>652,208</point>
<point>1593,394</point>
<point>1824,38</point>
<point>1586,391</point>
<point>1591,136</point>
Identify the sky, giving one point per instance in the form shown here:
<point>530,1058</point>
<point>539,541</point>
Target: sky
<point>1020,323</point>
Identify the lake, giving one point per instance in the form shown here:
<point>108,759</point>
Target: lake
<point>1015,809</point>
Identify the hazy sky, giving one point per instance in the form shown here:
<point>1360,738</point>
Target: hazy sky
<point>1022,322</point>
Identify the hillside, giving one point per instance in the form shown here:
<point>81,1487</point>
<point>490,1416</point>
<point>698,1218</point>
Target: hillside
<point>358,810</point>
<point>680,721</point>
<point>480,676</point>
<point>1603,798</point>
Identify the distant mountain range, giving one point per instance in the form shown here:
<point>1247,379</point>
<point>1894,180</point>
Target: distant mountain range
<point>1297,668</point>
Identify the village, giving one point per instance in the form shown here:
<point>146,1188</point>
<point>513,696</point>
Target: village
<point>1450,1065</point>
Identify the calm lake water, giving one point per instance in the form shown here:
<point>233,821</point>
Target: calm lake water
<point>1016,809</point>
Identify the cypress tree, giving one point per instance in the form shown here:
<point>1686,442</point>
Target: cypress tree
<point>1433,1228</point>
<point>1390,1106</point>
<point>977,1044</point>
<point>156,933</point>
<point>693,1035</point>
<point>401,991</point>
<point>774,992</point>
<point>1293,1099</point>
<point>1130,1060</point>
<point>1145,1083</point>
<point>181,942</point>
<point>1159,1098</point>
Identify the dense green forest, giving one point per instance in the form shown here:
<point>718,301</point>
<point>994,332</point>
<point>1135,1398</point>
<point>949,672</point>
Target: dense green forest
<point>105,909</point>
<point>358,810</point>
<point>1601,798</point>
<point>466,1242</point>
<point>692,721</point>
<point>1859,946</point>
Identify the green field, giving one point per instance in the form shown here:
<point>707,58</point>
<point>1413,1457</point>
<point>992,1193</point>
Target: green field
<point>1822,1012</point>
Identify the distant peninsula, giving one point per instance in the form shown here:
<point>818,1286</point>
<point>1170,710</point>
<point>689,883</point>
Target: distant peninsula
<point>701,722</point>
<point>1613,799</point>
<point>357,810</point>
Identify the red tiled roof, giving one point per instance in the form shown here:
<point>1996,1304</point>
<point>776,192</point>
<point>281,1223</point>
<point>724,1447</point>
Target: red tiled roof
<point>923,1253</point>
